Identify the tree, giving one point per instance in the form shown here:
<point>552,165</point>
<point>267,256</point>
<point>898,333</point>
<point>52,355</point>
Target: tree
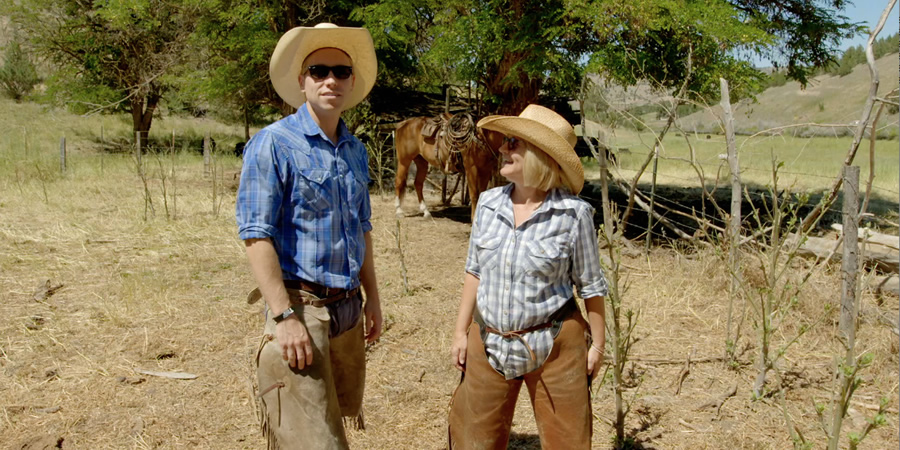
<point>238,37</point>
<point>110,55</point>
<point>18,75</point>
<point>511,50</point>
<point>516,50</point>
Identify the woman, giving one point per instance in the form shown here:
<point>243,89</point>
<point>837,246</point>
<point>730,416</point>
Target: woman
<point>532,246</point>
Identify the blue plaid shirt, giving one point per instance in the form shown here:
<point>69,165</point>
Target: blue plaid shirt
<point>528,273</point>
<point>310,197</point>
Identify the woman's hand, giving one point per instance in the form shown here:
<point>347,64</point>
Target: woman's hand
<point>458,351</point>
<point>594,360</point>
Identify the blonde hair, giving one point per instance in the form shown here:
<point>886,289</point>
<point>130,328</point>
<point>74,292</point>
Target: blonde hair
<point>541,171</point>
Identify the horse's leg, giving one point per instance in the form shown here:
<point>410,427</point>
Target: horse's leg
<point>421,173</point>
<point>400,185</point>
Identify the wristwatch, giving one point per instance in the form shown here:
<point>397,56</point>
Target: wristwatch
<point>284,315</point>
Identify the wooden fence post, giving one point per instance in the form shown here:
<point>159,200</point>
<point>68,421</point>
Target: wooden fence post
<point>206,155</point>
<point>102,147</point>
<point>137,151</point>
<point>734,227</point>
<point>62,154</point>
<point>847,333</point>
<point>849,261</point>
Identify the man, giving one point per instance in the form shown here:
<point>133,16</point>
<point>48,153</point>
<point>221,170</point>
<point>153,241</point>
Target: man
<point>303,211</point>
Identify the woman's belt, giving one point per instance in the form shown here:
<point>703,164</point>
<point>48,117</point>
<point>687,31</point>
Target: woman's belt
<point>555,320</point>
<point>518,334</point>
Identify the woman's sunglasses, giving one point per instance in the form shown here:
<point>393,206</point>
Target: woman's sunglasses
<point>512,143</point>
<point>320,71</point>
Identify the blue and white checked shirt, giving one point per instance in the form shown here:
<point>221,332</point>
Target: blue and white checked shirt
<point>310,197</point>
<point>527,274</point>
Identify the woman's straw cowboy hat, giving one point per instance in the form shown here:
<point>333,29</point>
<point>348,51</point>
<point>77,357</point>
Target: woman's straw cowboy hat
<point>548,131</point>
<point>298,43</point>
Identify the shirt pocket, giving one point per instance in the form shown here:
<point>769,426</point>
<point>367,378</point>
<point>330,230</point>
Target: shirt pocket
<point>488,249</point>
<point>357,187</point>
<point>312,187</point>
<point>545,258</point>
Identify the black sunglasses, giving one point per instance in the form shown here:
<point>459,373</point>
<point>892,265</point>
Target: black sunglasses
<point>320,71</point>
<point>512,143</point>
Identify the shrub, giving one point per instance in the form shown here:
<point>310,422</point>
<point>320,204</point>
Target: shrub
<point>18,75</point>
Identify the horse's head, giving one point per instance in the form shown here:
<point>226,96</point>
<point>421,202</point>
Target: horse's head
<point>494,139</point>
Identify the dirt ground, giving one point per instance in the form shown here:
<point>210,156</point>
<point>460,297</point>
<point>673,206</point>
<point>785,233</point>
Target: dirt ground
<point>168,295</point>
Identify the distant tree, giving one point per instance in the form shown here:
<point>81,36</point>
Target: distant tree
<point>18,74</point>
<point>112,55</point>
<point>856,55</point>
<point>775,78</point>
<point>806,33</point>
<point>886,45</point>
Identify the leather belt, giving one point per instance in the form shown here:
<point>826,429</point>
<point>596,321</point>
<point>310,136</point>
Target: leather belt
<point>518,335</point>
<point>316,289</point>
<point>309,293</point>
<point>556,319</point>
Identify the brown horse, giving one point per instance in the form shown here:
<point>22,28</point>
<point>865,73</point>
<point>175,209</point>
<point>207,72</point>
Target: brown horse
<point>477,156</point>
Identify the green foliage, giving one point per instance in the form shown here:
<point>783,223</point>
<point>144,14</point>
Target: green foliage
<point>116,53</point>
<point>806,32</point>
<point>775,79</point>
<point>512,51</point>
<point>17,75</point>
<point>856,55</point>
<point>671,42</point>
<point>400,30</point>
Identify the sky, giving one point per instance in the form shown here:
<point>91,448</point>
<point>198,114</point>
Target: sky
<point>866,11</point>
<point>869,11</point>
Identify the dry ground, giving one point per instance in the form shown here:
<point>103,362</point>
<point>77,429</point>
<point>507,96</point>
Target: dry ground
<point>168,295</point>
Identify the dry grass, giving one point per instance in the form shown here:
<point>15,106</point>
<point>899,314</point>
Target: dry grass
<point>168,295</point>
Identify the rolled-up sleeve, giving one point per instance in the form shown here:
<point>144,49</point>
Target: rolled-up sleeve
<point>365,211</point>
<point>472,265</point>
<point>260,192</point>
<point>587,275</point>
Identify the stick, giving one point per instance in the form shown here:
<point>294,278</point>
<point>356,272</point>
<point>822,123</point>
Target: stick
<point>678,361</point>
<point>684,372</point>
<point>718,402</point>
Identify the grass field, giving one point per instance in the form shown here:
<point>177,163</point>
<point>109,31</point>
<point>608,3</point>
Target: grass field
<point>164,291</point>
<point>809,163</point>
<point>825,100</point>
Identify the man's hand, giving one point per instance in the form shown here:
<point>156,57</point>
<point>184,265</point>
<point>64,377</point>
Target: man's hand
<point>296,347</point>
<point>458,351</point>
<point>373,321</point>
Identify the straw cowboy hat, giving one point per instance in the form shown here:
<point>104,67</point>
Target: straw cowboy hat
<point>295,45</point>
<point>549,132</point>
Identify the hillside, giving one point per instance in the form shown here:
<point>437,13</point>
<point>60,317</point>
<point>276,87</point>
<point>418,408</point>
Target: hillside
<point>826,100</point>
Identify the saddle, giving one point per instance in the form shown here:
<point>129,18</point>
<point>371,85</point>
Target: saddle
<point>431,127</point>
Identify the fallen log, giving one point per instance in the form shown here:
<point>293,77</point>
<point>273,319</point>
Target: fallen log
<point>883,285</point>
<point>873,237</point>
<point>876,255</point>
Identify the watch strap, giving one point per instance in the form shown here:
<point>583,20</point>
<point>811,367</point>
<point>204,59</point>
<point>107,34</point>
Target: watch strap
<point>284,315</point>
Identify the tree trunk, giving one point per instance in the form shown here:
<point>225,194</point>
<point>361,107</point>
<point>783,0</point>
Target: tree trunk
<point>246,124</point>
<point>142,109</point>
<point>513,96</point>
<point>516,92</point>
